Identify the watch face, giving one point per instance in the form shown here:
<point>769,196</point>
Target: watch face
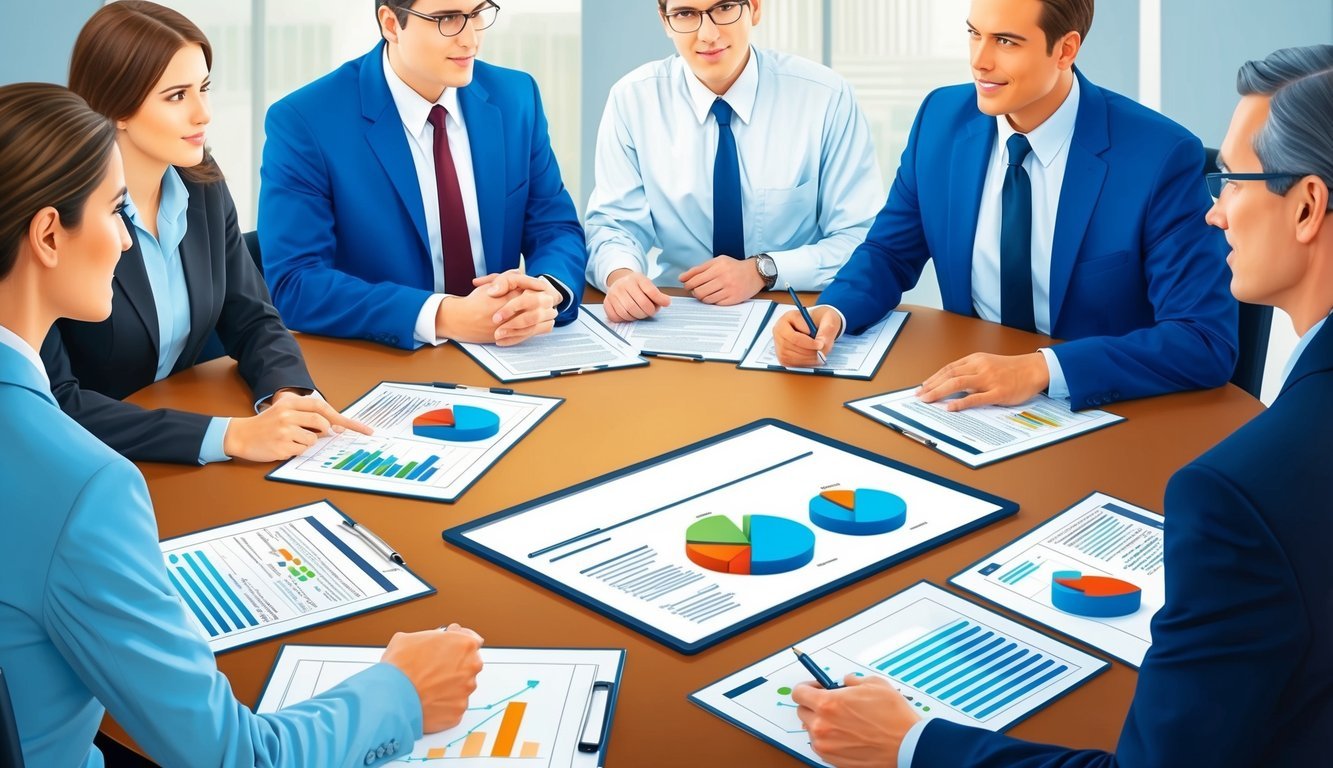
<point>767,267</point>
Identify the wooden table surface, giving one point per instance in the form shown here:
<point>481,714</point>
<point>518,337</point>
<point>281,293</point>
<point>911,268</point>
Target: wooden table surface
<point>615,418</point>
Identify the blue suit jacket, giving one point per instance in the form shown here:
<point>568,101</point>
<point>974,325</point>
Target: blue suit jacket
<point>1240,672</point>
<point>341,223</point>
<point>88,620</point>
<point>1138,279</point>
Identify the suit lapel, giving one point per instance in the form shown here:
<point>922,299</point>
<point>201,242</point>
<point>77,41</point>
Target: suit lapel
<point>485,133</point>
<point>132,279</point>
<point>967,167</point>
<point>1085,172</point>
<point>197,261</point>
<point>1317,356</point>
<point>388,141</point>
<point>17,370</point>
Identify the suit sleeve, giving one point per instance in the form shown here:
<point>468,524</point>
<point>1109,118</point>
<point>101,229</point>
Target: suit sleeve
<point>890,260</point>
<point>1225,647</point>
<point>552,239</point>
<point>112,615</point>
<point>297,231</point>
<point>136,433</point>
<point>249,326</point>
<point>1192,342</point>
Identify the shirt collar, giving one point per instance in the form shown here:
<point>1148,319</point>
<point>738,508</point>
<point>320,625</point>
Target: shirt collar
<point>740,97</point>
<point>1049,138</point>
<point>1300,347</point>
<point>412,108</point>
<point>16,342</point>
<point>170,209</point>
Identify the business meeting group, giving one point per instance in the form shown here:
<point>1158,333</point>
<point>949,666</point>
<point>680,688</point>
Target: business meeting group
<point>411,198</point>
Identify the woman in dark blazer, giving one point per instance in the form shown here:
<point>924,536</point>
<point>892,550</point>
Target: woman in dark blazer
<point>188,272</point>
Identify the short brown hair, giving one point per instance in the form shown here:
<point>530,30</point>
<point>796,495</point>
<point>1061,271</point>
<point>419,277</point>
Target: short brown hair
<point>398,7</point>
<point>1060,17</point>
<point>122,52</point>
<point>54,151</point>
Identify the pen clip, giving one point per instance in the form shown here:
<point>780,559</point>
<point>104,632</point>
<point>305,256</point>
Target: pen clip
<point>593,742</point>
<point>380,546</point>
<point>466,388</point>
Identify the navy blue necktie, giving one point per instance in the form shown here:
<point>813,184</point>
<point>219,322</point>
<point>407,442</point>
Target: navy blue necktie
<point>728,218</point>
<point>1016,239</point>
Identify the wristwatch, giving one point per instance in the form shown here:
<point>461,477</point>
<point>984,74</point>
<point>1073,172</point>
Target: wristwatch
<point>767,268</point>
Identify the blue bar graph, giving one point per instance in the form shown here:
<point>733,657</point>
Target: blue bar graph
<point>207,594</point>
<point>1018,574</point>
<point>387,467</point>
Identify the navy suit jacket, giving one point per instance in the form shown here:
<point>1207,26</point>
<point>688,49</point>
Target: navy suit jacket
<point>1240,672</point>
<point>1139,281</point>
<point>93,365</point>
<point>341,222</point>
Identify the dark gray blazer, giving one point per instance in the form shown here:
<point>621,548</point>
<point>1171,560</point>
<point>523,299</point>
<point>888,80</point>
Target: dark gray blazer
<point>93,365</point>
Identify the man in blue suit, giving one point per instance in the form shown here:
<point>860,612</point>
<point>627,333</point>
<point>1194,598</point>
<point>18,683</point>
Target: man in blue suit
<point>1049,204</point>
<point>1240,672</point>
<point>402,180</point>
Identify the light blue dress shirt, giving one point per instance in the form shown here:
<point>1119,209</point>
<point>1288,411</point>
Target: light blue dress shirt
<point>1300,347</point>
<point>89,622</point>
<point>171,296</point>
<point>810,183</point>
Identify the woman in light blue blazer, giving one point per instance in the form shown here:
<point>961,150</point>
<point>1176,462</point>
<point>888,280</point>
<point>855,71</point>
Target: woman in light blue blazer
<point>88,620</point>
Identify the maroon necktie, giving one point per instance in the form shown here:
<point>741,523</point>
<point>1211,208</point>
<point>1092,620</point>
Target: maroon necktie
<point>457,246</point>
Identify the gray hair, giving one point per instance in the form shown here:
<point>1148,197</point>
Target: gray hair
<point>1297,137</point>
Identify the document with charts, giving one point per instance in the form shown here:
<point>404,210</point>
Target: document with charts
<point>264,577</point>
<point>584,346</point>
<point>949,657</point>
<point>985,434</point>
<point>431,441</point>
<point>529,709</point>
<point>852,357</point>
<point>1094,572</point>
<point>709,540</point>
<point>694,330</point>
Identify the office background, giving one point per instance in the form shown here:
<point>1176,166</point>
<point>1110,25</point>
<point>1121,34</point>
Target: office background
<point>1178,56</point>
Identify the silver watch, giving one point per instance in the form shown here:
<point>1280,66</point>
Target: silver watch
<point>767,268</point>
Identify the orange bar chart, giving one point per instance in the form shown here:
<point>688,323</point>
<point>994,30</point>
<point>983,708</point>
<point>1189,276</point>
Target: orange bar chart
<point>529,749</point>
<point>472,746</point>
<point>513,718</point>
<point>435,754</point>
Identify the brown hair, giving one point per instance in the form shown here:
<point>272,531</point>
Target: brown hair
<point>1060,17</point>
<point>54,152</point>
<point>397,7</point>
<point>122,52</point>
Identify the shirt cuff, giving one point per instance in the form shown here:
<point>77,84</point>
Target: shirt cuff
<point>211,449</point>
<point>566,295</point>
<point>907,750</point>
<point>424,332</point>
<point>841,331</point>
<point>611,261</point>
<point>1059,388</point>
<point>796,269</point>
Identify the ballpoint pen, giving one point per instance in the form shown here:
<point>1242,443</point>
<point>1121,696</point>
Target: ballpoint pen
<point>375,542</point>
<point>809,322</point>
<point>820,675</point>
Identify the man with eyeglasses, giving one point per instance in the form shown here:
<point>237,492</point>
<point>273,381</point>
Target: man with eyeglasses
<point>400,191</point>
<point>1240,672</point>
<point>1051,205</point>
<point>726,169</point>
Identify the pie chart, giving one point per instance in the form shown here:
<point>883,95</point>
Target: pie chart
<point>862,512</point>
<point>764,545</point>
<point>1099,597</point>
<point>460,423</point>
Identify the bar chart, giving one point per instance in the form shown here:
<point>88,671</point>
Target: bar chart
<point>208,596</point>
<point>360,459</point>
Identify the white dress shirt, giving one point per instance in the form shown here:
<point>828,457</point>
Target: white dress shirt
<point>1045,166</point>
<point>415,112</point>
<point>16,343</point>
<point>810,183</point>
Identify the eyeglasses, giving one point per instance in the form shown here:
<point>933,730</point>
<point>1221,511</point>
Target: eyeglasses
<point>1217,181</point>
<point>452,24</point>
<point>688,20</point>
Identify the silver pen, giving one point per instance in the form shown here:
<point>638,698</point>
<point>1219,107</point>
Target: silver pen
<point>375,542</point>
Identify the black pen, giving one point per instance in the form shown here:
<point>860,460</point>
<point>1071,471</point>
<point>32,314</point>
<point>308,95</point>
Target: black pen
<point>910,435</point>
<point>376,543</point>
<point>809,322</point>
<point>493,390</point>
<point>820,675</point>
<point>690,356</point>
<point>576,371</point>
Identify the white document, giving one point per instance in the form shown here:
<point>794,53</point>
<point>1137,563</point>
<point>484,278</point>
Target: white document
<point>622,543</point>
<point>985,434</point>
<point>694,330</point>
<point>279,573</point>
<point>1099,536</point>
<point>583,346</point>
<point>852,357</point>
<point>950,658</point>
<point>398,462</point>
<point>527,712</point>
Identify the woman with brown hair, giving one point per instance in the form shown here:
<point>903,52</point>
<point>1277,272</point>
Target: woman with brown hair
<point>88,618</point>
<point>187,273</point>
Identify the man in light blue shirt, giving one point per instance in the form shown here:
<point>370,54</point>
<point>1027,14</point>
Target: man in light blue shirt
<point>726,169</point>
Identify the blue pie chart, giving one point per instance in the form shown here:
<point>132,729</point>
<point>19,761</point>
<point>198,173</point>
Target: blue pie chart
<point>459,423</point>
<point>860,512</point>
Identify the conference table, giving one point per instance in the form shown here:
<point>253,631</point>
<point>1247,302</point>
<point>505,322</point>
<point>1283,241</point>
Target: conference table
<point>611,419</point>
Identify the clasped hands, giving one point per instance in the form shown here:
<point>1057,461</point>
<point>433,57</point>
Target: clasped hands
<point>505,309</point>
<point>721,280</point>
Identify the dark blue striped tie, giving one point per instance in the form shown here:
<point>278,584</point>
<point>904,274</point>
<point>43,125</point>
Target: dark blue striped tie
<point>1016,239</point>
<point>728,218</point>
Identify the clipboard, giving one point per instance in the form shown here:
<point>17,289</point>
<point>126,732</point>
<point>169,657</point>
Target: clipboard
<point>894,323</point>
<point>631,361</point>
<point>561,567</point>
<point>746,345</point>
<point>586,732</point>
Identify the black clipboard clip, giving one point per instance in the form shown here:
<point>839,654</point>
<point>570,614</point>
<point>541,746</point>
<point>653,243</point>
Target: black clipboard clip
<point>596,717</point>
